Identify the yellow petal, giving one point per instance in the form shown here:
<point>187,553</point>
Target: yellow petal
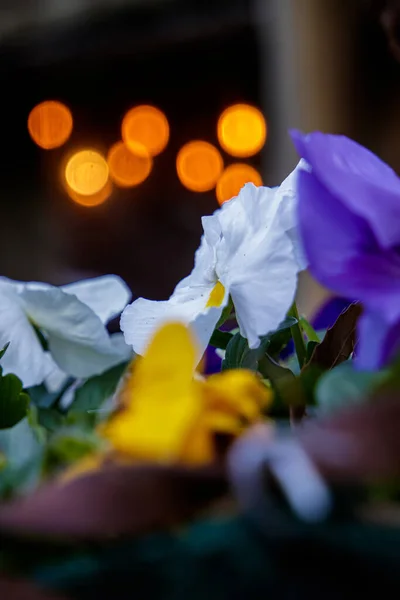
<point>157,428</point>
<point>222,422</point>
<point>238,392</point>
<point>168,364</point>
<point>199,446</point>
<point>216,296</point>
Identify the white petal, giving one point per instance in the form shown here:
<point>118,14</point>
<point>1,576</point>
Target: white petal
<point>256,259</point>
<point>25,356</point>
<point>121,347</point>
<point>78,340</point>
<point>203,273</point>
<point>107,296</point>
<point>142,318</point>
<point>56,378</point>
<point>287,211</point>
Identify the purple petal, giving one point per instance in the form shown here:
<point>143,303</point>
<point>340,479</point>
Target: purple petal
<point>329,313</point>
<point>326,226</point>
<point>213,361</point>
<point>378,342</point>
<point>342,252</point>
<point>366,185</point>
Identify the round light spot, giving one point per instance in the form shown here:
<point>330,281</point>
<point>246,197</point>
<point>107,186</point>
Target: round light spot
<point>86,172</point>
<point>242,130</point>
<point>126,167</point>
<point>92,200</point>
<point>199,165</point>
<point>50,124</point>
<point>145,125</point>
<point>234,178</point>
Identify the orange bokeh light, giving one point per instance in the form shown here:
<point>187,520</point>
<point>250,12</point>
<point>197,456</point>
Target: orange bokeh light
<point>86,172</point>
<point>50,124</point>
<point>234,178</point>
<point>92,200</point>
<point>242,130</point>
<point>199,166</point>
<point>145,125</point>
<point>128,169</point>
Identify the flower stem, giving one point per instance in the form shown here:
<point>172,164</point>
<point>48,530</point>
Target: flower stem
<point>297,335</point>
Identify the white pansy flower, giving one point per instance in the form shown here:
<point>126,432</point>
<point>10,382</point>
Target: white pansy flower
<point>72,319</point>
<point>249,251</point>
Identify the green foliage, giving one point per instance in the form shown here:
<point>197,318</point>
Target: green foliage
<point>22,450</point>
<point>14,403</point>
<point>226,313</point>
<point>96,390</point>
<point>42,398</point>
<point>4,350</point>
<point>264,358</point>
<point>281,337</point>
<point>239,355</point>
<point>344,386</point>
<point>309,330</point>
<point>220,339</point>
<point>67,446</point>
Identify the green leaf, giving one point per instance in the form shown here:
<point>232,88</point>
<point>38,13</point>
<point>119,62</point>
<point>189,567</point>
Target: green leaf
<point>42,398</point>
<point>310,349</point>
<point>50,419</point>
<point>220,339</point>
<point>273,371</point>
<point>4,350</point>
<point>298,337</point>
<point>226,313</point>
<point>23,452</point>
<point>71,445</point>
<point>13,402</point>
<point>279,339</point>
<point>339,341</point>
<point>345,386</point>
<point>309,330</point>
<point>96,390</point>
<point>238,354</point>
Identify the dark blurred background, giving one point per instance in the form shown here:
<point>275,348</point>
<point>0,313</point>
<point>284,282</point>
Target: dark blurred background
<point>304,63</point>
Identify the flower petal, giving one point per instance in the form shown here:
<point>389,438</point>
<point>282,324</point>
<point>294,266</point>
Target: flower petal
<point>56,378</point>
<point>360,270</point>
<point>78,340</point>
<point>142,318</point>
<point>257,260</point>
<point>366,185</point>
<point>107,296</point>
<point>165,404</point>
<point>25,356</point>
<point>378,343</point>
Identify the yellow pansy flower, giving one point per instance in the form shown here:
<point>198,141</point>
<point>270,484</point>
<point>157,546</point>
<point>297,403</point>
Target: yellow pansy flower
<point>169,416</point>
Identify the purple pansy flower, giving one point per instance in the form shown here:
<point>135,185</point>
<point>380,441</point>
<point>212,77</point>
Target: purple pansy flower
<point>349,220</point>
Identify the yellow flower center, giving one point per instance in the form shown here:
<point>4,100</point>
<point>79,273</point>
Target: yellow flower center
<point>217,295</point>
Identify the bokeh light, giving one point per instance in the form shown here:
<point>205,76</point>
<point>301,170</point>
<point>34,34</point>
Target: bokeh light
<point>126,167</point>
<point>145,125</point>
<point>50,124</point>
<point>234,178</point>
<point>86,172</point>
<point>199,166</point>
<point>93,199</point>
<point>242,130</point>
